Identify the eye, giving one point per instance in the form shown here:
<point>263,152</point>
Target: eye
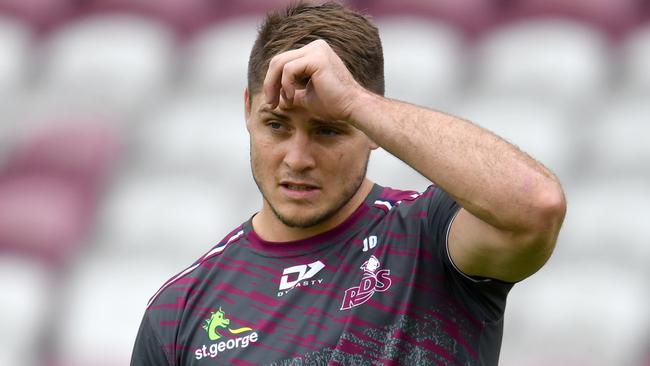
<point>327,131</point>
<point>275,125</point>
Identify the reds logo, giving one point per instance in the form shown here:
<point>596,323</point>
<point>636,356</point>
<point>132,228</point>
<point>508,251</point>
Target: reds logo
<point>372,280</point>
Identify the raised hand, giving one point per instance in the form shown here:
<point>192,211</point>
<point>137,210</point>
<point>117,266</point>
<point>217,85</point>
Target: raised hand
<point>312,77</point>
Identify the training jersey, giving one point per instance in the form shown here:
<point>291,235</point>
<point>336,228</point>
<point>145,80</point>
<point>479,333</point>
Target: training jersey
<point>379,289</point>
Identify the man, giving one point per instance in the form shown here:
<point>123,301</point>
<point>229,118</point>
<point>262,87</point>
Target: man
<point>335,269</point>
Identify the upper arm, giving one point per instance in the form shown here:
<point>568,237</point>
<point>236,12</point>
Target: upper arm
<point>480,249</point>
<point>148,350</point>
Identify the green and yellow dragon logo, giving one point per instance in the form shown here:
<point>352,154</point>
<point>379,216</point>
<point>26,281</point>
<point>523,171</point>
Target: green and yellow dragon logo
<point>218,320</point>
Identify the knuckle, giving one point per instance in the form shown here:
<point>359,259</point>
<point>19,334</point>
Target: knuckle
<point>274,61</point>
<point>288,71</point>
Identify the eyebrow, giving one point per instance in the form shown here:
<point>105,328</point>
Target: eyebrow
<point>267,110</point>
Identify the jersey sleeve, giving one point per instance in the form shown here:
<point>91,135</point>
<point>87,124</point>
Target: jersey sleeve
<point>148,351</point>
<point>489,294</point>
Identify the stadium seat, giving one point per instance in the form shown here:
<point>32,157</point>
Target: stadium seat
<point>618,137</point>
<point>612,16</point>
<point>388,171</point>
<point>540,129</point>
<point>235,9</point>
<point>173,216</point>
<point>470,16</point>
<point>425,61</point>
<point>185,16</point>
<point>23,310</point>
<point>105,302</point>
<point>195,133</point>
<point>217,58</point>
<point>605,219</point>
<point>635,61</point>
<point>117,60</point>
<point>41,15</point>
<point>41,216</point>
<point>577,313</point>
<point>15,57</point>
<point>554,59</point>
<point>83,152</point>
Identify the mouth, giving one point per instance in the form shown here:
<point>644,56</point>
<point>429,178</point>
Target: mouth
<point>299,189</point>
<point>298,186</point>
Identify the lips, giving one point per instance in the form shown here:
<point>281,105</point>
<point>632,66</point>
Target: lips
<point>298,186</point>
<point>299,190</point>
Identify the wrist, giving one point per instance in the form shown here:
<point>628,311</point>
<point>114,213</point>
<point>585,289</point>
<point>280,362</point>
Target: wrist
<point>362,106</point>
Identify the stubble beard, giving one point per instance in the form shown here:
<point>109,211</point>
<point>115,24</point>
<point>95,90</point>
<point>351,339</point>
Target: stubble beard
<point>308,222</point>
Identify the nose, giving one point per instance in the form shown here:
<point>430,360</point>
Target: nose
<point>299,155</point>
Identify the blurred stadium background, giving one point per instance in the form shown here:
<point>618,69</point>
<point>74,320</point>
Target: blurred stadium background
<point>123,157</point>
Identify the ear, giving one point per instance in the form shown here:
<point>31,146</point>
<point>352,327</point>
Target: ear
<point>247,104</point>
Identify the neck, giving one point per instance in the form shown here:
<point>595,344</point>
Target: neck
<point>268,227</point>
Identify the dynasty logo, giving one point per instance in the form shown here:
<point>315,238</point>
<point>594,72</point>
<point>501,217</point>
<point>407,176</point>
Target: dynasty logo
<point>373,279</point>
<point>299,276</point>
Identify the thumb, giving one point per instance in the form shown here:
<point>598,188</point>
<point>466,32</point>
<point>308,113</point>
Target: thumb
<point>302,98</point>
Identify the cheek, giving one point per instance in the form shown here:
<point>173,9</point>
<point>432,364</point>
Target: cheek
<point>347,163</point>
<point>264,156</point>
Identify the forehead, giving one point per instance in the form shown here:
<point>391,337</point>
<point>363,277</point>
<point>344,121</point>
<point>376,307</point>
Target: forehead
<point>261,109</point>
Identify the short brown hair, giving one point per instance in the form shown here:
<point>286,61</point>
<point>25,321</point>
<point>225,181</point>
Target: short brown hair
<point>351,35</point>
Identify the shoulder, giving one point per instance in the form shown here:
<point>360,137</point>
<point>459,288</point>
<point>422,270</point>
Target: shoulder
<point>390,198</point>
<point>428,204</point>
<point>188,274</point>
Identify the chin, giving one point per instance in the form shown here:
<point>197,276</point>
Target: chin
<point>302,220</point>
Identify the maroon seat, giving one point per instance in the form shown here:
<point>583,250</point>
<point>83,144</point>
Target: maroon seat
<point>50,186</point>
<point>83,153</point>
<point>613,16</point>
<point>41,216</point>
<point>185,16</point>
<point>645,19</point>
<point>42,15</point>
<point>251,7</point>
<point>471,16</point>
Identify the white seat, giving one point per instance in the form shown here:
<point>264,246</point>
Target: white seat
<point>636,58</point>
<point>608,219</point>
<point>106,300</point>
<point>554,59</point>
<point>24,304</point>
<point>424,60</point>
<point>175,216</point>
<point>198,133</point>
<point>217,58</point>
<point>119,60</point>
<point>388,171</point>
<point>541,129</point>
<point>618,138</point>
<point>15,56</point>
<point>16,68</point>
<point>577,313</point>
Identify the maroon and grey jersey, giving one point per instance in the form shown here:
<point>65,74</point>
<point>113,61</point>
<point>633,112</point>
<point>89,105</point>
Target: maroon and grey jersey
<point>379,289</point>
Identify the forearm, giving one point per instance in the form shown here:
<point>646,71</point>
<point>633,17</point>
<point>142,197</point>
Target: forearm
<point>489,177</point>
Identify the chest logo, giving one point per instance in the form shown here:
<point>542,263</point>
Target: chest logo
<point>373,280</point>
<point>218,320</point>
<point>299,276</point>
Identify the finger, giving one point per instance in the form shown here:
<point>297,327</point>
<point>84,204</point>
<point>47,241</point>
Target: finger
<point>295,75</point>
<point>272,81</point>
<point>283,103</point>
<point>300,98</point>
